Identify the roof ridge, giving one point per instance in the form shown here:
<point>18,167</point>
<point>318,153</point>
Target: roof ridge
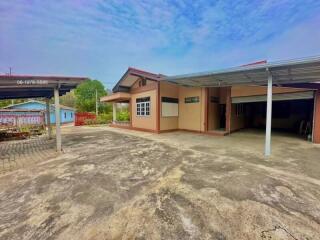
<point>254,63</point>
<point>146,72</point>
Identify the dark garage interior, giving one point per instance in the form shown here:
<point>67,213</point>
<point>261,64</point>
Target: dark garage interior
<point>289,116</point>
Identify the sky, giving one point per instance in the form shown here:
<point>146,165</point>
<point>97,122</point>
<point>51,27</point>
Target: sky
<point>101,39</point>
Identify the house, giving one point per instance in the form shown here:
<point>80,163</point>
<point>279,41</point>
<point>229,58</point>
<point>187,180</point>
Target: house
<point>66,113</point>
<point>222,102</point>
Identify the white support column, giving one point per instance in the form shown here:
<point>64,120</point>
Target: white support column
<point>48,118</point>
<point>268,117</point>
<point>114,114</point>
<point>57,113</point>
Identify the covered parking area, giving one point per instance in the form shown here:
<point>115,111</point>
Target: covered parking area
<point>292,109</point>
<point>26,86</point>
<point>302,73</point>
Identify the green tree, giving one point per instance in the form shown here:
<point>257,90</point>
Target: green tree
<point>7,102</point>
<point>68,100</point>
<point>85,95</point>
<point>4,103</point>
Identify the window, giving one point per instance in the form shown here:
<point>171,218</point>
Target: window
<point>239,109</point>
<point>65,115</point>
<point>71,115</point>
<point>143,106</point>
<point>169,107</point>
<point>191,99</point>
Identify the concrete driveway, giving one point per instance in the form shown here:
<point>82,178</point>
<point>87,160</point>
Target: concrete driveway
<point>121,184</point>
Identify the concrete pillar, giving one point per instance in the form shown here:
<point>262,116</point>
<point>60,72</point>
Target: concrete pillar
<point>48,118</point>
<point>114,114</point>
<point>267,150</point>
<point>316,118</point>
<point>57,113</point>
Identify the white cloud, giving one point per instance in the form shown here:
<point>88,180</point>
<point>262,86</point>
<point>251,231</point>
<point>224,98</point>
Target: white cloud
<point>101,39</point>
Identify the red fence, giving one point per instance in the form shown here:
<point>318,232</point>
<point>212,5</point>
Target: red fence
<point>80,118</point>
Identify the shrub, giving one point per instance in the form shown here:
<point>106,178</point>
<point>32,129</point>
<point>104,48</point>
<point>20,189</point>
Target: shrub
<point>104,118</point>
<point>90,121</point>
<point>123,115</point>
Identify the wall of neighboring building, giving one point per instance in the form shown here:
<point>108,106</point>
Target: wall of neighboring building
<point>172,91</point>
<point>145,122</point>
<point>66,115</point>
<point>192,115</point>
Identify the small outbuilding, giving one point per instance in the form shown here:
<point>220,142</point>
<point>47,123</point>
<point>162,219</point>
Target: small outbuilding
<point>66,113</point>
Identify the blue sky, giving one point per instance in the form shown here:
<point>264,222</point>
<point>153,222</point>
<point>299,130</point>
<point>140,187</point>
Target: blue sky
<point>101,39</point>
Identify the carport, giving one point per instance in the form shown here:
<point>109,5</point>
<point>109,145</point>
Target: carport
<point>25,86</point>
<point>292,109</point>
<point>302,73</point>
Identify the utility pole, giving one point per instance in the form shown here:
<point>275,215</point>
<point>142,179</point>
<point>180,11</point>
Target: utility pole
<point>96,102</point>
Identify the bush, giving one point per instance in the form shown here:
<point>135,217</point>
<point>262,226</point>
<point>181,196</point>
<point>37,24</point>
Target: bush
<point>90,121</point>
<point>104,118</point>
<point>123,116</point>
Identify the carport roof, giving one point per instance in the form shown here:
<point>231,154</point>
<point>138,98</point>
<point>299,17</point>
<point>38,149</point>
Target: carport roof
<point>24,86</point>
<point>283,72</point>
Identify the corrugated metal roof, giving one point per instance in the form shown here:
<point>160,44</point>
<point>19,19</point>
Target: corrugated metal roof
<point>24,86</point>
<point>283,72</point>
